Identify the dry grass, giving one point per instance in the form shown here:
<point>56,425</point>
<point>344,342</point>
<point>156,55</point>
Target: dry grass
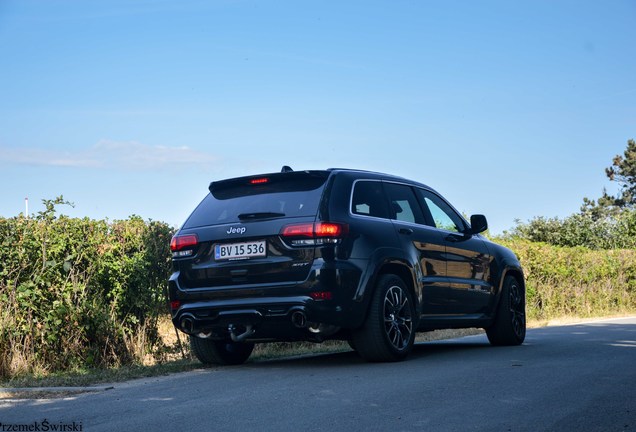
<point>17,359</point>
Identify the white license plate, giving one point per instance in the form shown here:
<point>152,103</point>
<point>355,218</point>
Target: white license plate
<point>240,250</point>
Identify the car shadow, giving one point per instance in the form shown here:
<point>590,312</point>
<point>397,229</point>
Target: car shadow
<point>421,351</point>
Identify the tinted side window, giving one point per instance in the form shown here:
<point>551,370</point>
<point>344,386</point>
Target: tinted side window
<point>369,200</point>
<point>403,205</point>
<point>441,215</point>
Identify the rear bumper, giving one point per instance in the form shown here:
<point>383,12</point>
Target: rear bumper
<point>281,312</point>
<point>294,318</point>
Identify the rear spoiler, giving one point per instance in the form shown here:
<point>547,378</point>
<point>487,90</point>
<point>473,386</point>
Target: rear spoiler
<point>286,181</point>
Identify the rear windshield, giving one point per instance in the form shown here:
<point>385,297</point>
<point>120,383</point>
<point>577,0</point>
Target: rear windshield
<point>280,195</point>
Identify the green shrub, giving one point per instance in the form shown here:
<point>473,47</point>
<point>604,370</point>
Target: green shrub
<point>576,281</point>
<point>79,292</point>
<point>616,231</point>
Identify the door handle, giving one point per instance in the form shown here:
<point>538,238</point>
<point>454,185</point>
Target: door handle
<point>407,231</point>
<point>454,238</point>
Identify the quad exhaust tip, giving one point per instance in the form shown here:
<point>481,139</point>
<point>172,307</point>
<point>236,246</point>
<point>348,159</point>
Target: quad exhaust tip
<point>299,319</point>
<point>187,324</point>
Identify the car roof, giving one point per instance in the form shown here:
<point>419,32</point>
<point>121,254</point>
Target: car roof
<point>356,173</point>
<point>380,175</point>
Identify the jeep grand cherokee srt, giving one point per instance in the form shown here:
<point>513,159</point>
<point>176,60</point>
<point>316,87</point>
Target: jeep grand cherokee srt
<point>336,254</point>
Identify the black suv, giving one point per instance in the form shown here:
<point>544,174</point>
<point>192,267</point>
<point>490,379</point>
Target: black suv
<point>336,254</point>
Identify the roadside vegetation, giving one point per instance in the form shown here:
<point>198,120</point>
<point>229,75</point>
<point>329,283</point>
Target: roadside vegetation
<point>80,293</point>
<point>585,264</point>
<point>83,301</point>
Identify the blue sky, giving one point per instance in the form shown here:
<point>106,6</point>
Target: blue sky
<point>508,108</point>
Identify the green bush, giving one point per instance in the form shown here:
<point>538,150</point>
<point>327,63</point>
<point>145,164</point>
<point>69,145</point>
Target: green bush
<point>617,231</point>
<point>79,292</point>
<point>576,281</point>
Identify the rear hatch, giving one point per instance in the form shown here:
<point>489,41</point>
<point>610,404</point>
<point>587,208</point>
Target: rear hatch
<point>253,230</point>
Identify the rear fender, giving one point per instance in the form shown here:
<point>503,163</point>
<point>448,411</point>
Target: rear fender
<point>386,261</point>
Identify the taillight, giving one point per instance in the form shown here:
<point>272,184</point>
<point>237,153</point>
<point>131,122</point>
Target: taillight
<point>298,230</point>
<point>329,229</point>
<point>311,234</point>
<point>183,245</point>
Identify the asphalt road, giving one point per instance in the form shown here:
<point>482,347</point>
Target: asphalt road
<point>570,378</point>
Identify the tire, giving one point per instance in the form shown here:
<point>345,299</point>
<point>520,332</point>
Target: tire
<point>389,330</point>
<point>509,327</point>
<point>220,352</point>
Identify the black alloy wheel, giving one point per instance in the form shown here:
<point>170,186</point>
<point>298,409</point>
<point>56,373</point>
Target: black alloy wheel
<point>509,327</point>
<point>398,319</point>
<point>389,330</point>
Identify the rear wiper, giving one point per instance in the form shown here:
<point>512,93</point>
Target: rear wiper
<point>260,215</point>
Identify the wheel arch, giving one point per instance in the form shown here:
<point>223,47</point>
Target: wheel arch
<point>407,274</point>
<point>515,272</point>
<point>387,264</point>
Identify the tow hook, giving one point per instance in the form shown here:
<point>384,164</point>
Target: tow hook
<point>249,331</point>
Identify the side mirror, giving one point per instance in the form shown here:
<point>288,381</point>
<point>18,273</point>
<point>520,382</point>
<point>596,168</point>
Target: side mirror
<point>478,224</point>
